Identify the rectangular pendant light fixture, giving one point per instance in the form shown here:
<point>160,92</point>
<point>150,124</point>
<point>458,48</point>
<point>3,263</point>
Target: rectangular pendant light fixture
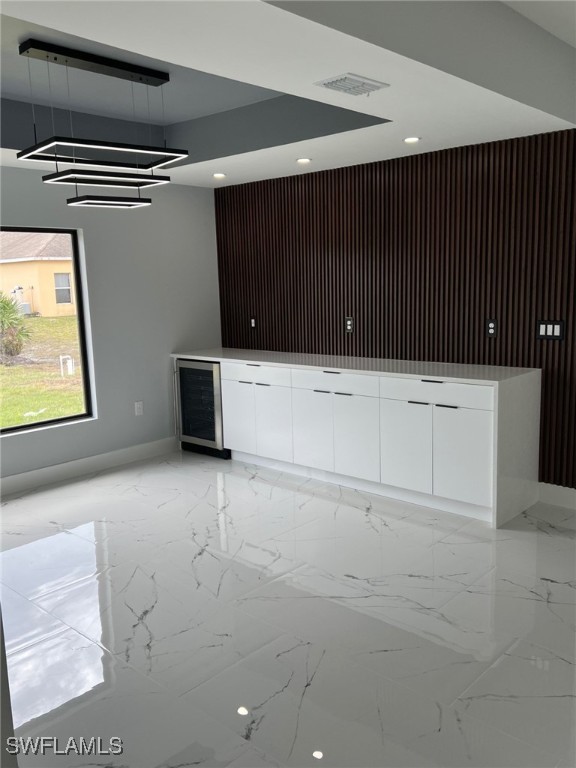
<point>105,179</point>
<point>90,62</point>
<point>124,162</point>
<point>101,201</point>
<point>152,157</point>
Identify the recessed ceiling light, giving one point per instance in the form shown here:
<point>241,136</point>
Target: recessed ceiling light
<point>318,755</point>
<point>219,175</point>
<point>304,160</point>
<point>412,140</point>
<point>242,711</point>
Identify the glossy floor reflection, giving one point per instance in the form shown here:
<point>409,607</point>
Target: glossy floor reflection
<point>210,613</point>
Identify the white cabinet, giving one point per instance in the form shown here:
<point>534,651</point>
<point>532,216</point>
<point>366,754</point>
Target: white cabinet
<point>439,448</point>
<point>239,415</point>
<point>313,428</point>
<point>273,421</point>
<point>356,436</point>
<point>462,438</point>
<point>337,432</point>
<point>406,444</point>
<point>463,454</point>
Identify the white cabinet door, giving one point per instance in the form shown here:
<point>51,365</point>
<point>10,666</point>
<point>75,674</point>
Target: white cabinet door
<point>406,444</point>
<point>239,416</point>
<point>463,454</point>
<point>273,421</point>
<point>313,431</point>
<point>356,436</point>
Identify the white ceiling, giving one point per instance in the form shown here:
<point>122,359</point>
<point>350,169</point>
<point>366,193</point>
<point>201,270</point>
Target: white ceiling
<point>555,16</point>
<point>189,94</point>
<point>265,46</point>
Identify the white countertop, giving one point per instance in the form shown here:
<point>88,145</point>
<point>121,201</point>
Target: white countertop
<point>490,374</point>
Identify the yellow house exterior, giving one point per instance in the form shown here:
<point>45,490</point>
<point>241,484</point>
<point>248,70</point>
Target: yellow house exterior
<point>39,273</point>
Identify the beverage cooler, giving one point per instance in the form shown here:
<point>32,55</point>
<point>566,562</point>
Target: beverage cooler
<point>198,411</point>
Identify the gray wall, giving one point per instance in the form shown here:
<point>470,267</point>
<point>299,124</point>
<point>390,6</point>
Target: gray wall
<point>152,280</point>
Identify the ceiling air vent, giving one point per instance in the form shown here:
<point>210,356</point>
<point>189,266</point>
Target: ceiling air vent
<point>353,85</point>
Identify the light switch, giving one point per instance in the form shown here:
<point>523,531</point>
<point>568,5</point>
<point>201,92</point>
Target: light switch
<point>550,329</point>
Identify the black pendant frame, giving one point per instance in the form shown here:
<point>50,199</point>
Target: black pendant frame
<point>119,179</point>
<point>102,201</point>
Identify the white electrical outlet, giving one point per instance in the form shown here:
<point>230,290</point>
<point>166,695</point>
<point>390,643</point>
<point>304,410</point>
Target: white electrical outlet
<point>139,408</point>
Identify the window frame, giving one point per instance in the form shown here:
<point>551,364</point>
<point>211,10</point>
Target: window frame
<point>89,411</point>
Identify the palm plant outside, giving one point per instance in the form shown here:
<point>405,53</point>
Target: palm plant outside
<point>14,332</point>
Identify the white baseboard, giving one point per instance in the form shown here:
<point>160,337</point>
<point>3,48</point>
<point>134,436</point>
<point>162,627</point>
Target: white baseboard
<point>558,495</point>
<point>71,469</point>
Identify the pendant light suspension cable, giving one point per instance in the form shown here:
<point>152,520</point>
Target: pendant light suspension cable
<point>69,103</point>
<point>163,116</point>
<point>134,115</point>
<point>52,110</point>
<point>50,97</point>
<point>32,102</point>
<point>149,123</point>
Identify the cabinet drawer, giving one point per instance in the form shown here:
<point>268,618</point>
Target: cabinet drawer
<point>259,374</point>
<point>480,396</point>
<point>347,383</point>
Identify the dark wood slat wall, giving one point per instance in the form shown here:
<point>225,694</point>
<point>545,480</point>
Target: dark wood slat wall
<point>420,250</point>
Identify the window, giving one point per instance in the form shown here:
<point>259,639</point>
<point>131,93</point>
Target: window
<point>62,285</point>
<point>43,369</point>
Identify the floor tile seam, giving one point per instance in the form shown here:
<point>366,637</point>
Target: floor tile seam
<point>33,537</point>
<point>451,594</point>
<point>281,630</point>
<point>54,590</point>
<point>488,666</point>
<point>493,663</point>
<point>48,636</point>
<point>231,666</point>
<point>492,728</point>
<point>70,627</point>
<point>414,688</point>
<point>408,690</point>
<point>282,532</point>
<point>535,744</point>
<point>479,578</point>
<point>427,635</point>
<point>505,653</point>
<point>76,629</point>
<point>263,582</point>
<point>60,631</point>
<point>272,580</point>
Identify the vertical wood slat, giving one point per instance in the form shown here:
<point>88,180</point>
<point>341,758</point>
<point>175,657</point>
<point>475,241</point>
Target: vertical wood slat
<point>421,250</point>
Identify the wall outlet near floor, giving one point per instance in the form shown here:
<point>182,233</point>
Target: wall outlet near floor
<point>349,324</point>
<point>139,408</point>
<point>252,322</point>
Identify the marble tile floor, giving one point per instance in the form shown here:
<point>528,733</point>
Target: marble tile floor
<point>211,613</point>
